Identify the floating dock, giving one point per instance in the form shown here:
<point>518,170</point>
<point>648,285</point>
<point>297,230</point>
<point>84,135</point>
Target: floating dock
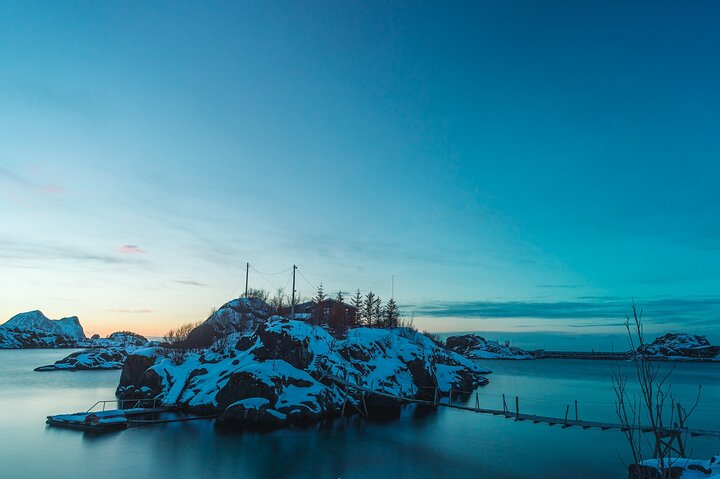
<point>97,419</point>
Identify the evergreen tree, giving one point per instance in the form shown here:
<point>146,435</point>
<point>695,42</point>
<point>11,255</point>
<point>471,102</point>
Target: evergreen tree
<point>377,312</point>
<point>392,314</point>
<point>320,295</point>
<point>357,302</point>
<point>368,309</point>
<point>318,309</point>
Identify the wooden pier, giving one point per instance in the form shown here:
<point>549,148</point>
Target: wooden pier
<point>506,412</point>
<point>603,355</point>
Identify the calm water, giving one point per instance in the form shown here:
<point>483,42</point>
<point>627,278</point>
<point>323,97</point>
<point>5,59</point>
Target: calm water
<point>443,444</point>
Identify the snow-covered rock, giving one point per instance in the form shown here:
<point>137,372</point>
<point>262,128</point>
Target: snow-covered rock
<point>680,346</point>
<point>476,347</point>
<point>678,468</point>
<point>101,353</point>
<point>279,374</point>
<point>242,315</point>
<point>36,320</point>
<point>34,330</point>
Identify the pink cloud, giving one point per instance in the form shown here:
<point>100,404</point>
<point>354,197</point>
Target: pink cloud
<point>131,249</point>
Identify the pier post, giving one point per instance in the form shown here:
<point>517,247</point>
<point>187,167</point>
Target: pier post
<point>567,410</point>
<point>504,404</point>
<point>477,402</point>
<point>576,411</point>
<point>517,408</point>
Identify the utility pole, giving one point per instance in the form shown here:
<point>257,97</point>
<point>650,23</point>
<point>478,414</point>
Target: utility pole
<point>247,273</point>
<point>292,306</point>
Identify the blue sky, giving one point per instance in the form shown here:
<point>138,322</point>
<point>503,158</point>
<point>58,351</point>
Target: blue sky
<point>496,153</point>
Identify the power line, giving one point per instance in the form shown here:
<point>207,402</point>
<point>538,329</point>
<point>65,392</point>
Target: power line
<point>269,274</point>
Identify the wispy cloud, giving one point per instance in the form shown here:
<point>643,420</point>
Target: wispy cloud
<point>131,249</point>
<point>131,311</point>
<point>663,309</point>
<point>190,282</point>
<point>29,182</point>
<point>13,250</point>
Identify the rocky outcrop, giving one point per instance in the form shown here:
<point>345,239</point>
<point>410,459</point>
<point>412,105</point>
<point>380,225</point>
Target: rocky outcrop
<point>242,315</point>
<point>476,347</point>
<point>281,374</point>
<point>101,353</point>
<point>680,346</point>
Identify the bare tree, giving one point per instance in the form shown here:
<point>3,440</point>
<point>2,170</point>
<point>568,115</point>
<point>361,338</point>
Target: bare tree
<point>258,293</point>
<point>279,300</point>
<point>651,418</point>
<point>176,341</point>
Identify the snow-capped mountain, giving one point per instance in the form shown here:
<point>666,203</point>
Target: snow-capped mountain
<point>36,320</point>
<point>35,330</point>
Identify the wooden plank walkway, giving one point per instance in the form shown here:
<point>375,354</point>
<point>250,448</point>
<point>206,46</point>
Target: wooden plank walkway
<point>516,415</point>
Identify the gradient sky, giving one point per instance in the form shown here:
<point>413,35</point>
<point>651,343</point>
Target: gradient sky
<point>513,164</point>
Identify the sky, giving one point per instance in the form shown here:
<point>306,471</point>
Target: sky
<point>515,166</point>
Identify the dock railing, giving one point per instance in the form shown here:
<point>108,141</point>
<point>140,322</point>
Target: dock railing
<point>136,403</point>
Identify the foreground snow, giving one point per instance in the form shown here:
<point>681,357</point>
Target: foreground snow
<point>476,347</point>
<point>277,374</point>
<point>680,468</point>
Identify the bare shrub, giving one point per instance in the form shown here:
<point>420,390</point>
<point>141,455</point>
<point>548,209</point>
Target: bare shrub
<point>651,418</point>
<point>435,338</point>
<point>176,340</point>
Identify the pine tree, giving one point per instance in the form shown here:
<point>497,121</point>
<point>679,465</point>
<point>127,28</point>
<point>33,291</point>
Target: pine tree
<point>377,312</point>
<point>318,310</point>
<point>340,298</point>
<point>357,302</point>
<point>392,314</point>
<point>368,309</point>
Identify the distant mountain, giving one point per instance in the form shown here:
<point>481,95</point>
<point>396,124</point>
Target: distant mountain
<point>35,330</point>
<point>37,320</point>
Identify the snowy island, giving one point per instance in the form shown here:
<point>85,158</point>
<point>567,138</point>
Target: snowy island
<point>473,346</point>
<point>101,353</point>
<point>282,371</point>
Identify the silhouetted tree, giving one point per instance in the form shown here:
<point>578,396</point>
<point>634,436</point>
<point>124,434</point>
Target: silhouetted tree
<point>368,308</point>
<point>392,314</point>
<point>279,300</point>
<point>357,302</point>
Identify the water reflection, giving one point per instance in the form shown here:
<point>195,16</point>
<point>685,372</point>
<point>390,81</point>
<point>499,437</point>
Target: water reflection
<point>421,443</point>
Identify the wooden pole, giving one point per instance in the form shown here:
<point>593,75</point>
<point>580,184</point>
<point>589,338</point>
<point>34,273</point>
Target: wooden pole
<point>567,410</point>
<point>504,404</point>
<point>517,407</point>
<point>477,402</point>
<point>576,411</point>
<point>247,274</point>
<point>292,307</point>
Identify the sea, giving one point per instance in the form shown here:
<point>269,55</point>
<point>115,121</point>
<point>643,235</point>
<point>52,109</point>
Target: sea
<point>420,444</point>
